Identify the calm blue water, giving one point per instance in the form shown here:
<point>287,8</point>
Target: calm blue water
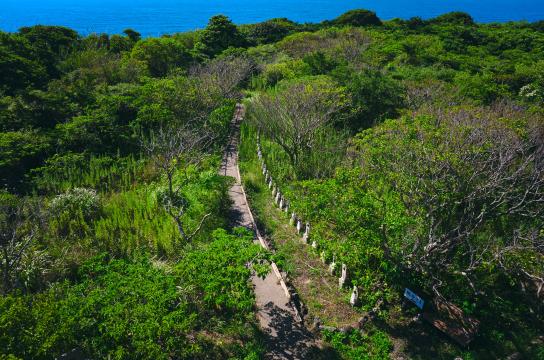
<point>156,17</point>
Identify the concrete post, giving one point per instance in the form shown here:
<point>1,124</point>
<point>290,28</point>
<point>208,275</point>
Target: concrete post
<point>332,266</point>
<point>306,235</point>
<point>343,277</point>
<point>354,300</point>
<point>299,227</point>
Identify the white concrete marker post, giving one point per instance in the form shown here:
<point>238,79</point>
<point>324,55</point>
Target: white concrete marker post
<point>354,299</point>
<point>306,235</point>
<point>343,277</point>
<point>332,267</point>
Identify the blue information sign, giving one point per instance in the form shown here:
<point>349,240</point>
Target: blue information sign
<point>410,295</point>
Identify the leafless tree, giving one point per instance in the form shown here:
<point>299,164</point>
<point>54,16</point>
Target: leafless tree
<point>477,184</point>
<point>293,116</point>
<point>170,150</point>
<point>224,75</point>
<point>19,225</point>
<point>427,93</point>
<point>348,44</point>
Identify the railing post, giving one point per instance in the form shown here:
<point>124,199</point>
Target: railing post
<point>343,277</point>
<point>306,235</point>
<point>332,265</point>
<point>354,299</point>
<point>299,226</point>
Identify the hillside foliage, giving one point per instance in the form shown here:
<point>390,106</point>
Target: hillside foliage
<point>414,147</point>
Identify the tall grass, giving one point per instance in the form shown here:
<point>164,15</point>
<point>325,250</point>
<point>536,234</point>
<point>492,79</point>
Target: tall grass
<point>102,173</point>
<point>133,223</point>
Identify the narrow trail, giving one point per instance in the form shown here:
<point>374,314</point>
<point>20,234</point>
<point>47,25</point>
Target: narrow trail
<point>285,338</point>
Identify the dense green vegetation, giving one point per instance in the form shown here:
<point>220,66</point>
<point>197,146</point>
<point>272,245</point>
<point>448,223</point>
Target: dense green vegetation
<point>418,165</point>
<point>95,198</point>
<point>414,147</point>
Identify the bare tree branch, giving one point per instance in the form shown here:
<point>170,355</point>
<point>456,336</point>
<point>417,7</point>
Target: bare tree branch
<point>477,184</point>
<point>293,116</point>
<point>171,150</point>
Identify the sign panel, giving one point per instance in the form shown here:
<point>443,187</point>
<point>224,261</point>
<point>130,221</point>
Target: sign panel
<point>410,295</point>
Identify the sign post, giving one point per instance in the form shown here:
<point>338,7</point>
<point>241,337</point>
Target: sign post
<point>413,297</point>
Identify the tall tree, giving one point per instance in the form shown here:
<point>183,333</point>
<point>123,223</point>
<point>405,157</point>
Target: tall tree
<point>220,34</point>
<point>132,35</point>
<point>293,115</point>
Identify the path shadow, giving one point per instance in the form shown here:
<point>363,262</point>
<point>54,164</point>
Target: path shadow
<point>235,217</point>
<point>283,338</point>
<point>292,340</point>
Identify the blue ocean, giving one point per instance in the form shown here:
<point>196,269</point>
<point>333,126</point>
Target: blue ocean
<point>157,17</point>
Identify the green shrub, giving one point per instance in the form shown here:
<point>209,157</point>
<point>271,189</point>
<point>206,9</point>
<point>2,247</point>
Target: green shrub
<point>141,310</point>
<point>73,212</point>
<point>356,346</point>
